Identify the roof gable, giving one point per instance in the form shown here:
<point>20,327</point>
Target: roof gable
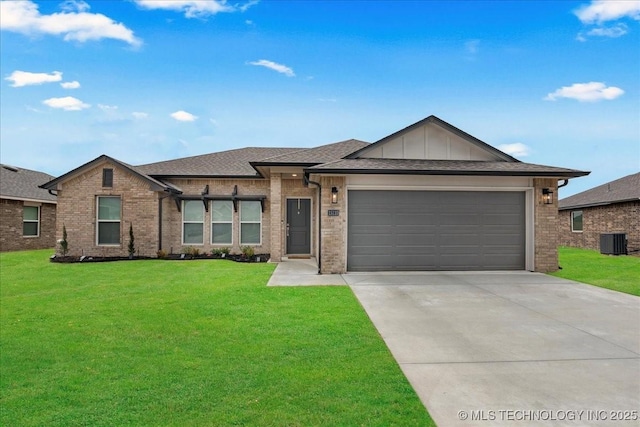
<point>431,139</point>
<point>620,190</point>
<point>23,184</point>
<point>154,184</point>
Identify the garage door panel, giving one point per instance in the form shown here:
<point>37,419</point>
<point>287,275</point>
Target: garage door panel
<point>430,230</point>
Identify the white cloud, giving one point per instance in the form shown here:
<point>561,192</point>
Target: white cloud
<point>599,11</point>
<point>139,115</point>
<point>517,149</point>
<point>183,116</point>
<point>68,103</point>
<point>586,92</point>
<point>194,8</point>
<point>73,23</point>
<point>617,30</point>
<point>280,68</point>
<point>25,78</point>
<point>107,108</point>
<point>70,85</point>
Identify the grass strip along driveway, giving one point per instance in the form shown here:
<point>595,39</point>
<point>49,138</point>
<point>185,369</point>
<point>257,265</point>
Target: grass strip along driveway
<point>188,343</point>
<point>619,273</point>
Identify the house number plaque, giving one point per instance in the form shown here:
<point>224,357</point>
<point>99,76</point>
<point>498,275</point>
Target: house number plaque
<point>333,212</point>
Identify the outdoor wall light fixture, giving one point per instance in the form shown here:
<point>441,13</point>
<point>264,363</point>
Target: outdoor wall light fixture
<point>547,196</point>
<point>334,195</point>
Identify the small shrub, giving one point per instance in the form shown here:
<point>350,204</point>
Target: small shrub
<point>161,254</point>
<point>220,252</point>
<point>248,251</point>
<point>132,246</point>
<point>64,244</point>
<point>191,251</point>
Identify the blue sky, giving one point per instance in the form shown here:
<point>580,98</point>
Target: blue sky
<point>550,82</point>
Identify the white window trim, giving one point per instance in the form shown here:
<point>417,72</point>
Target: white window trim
<point>571,219</point>
<point>31,221</point>
<point>221,222</point>
<point>249,222</point>
<point>192,222</point>
<point>98,221</point>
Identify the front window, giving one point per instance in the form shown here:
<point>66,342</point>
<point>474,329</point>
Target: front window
<point>30,221</point>
<point>250,222</point>
<point>221,222</point>
<point>192,222</point>
<point>109,220</point>
<point>576,221</point>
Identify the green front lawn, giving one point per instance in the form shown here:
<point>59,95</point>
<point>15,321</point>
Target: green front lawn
<point>619,273</point>
<point>188,343</point>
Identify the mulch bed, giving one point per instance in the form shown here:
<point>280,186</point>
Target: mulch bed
<point>170,257</point>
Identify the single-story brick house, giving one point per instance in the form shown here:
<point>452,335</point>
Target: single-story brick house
<point>28,213</point>
<point>428,197</point>
<point>613,207</point>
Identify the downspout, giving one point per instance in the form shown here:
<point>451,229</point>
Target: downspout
<point>566,181</point>
<point>307,181</point>
<point>51,192</point>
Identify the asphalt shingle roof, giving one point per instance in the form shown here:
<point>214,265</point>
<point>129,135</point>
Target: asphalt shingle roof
<point>19,183</point>
<point>224,163</point>
<point>323,154</point>
<point>621,190</point>
<point>443,167</point>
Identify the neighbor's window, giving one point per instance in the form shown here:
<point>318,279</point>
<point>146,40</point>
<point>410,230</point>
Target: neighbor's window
<point>192,222</point>
<point>576,221</point>
<point>30,221</point>
<point>221,222</point>
<point>109,220</point>
<point>250,222</point>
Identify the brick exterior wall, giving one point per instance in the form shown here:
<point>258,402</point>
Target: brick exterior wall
<point>546,226</point>
<point>141,204</point>
<point>616,218</point>
<point>77,205</point>
<point>172,218</point>
<point>11,238</point>
<point>334,228</point>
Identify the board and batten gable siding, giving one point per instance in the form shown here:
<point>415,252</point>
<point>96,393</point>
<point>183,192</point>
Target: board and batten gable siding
<point>428,142</point>
<point>77,212</point>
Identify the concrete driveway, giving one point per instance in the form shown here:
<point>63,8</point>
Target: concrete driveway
<point>512,348</point>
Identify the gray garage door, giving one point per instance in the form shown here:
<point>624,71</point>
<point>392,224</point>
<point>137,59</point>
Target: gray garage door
<point>435,230</point>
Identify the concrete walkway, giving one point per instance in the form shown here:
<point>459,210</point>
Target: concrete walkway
<point>502,348</point>
<point>302,272</point>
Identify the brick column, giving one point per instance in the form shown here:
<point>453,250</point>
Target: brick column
<point>333,227</point>
<point>546,226</point>
<point>276,217</point>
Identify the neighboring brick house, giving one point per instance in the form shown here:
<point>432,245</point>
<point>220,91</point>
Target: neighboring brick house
<point>428,197</point>
<point>27,212</point>
<point>613,207</point>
